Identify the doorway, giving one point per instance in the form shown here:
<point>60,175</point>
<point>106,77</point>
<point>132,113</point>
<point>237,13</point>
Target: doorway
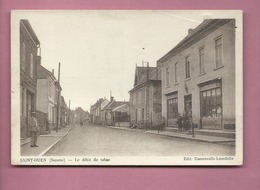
<point>188,103</point>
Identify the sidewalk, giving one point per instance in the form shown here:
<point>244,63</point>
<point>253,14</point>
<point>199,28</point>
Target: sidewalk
<point>184,135</point>
<point>45,142</point>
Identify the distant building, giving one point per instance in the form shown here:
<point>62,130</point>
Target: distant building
<point>121,115</point>
<point>80,116</point>
<point>29,45</point>
<point>108,110</point>
<point>64,112</point>
<point>199,74</point>
<point>145,98</point>
<point>96,116</point>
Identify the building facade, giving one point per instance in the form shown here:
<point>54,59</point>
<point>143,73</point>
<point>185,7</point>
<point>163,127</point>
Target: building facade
<point>46,96</point>
<point>80,116</point>
<point>199,75</point>
<point>29,45</point>
<point>108,113</point>
<point>96,113</point>
<point>145,98</point>
<point>121,115</point>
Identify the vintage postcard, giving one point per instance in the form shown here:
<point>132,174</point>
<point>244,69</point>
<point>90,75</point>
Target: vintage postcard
<point>127,87</point>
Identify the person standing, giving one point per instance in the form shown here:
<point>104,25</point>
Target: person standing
<point>34,129</point>
<point>179,122</point>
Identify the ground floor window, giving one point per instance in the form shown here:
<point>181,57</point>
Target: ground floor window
<point>23,102</point>
<point>172,108</point>
<point>211,103</point>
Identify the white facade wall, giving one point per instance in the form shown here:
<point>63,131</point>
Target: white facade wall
<point>191,86</point>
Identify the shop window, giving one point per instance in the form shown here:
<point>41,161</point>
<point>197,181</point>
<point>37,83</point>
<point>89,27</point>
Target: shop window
<point>172,106</point>
<point>211,103</point>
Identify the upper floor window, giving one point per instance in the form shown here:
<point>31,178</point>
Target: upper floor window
<point>176,73</point>
<point>201,60</point>
<point>218,52</point>
<point>187,67</point>
<point>31,66</point>
<point>23,56</point>
<point>139,96</point>
<point>167,77</point>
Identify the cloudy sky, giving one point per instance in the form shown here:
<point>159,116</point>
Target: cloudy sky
<point>98,50</point>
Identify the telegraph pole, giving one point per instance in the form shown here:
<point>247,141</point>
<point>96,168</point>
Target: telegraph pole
<point>58,101</point>
<point>69,113</point>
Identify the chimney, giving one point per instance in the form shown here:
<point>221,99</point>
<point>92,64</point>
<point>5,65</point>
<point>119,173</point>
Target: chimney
<point>38,60</point>
<point>190,31</point>
<point>147,71</point>
<point>111,98</point>
<point>53,71</point>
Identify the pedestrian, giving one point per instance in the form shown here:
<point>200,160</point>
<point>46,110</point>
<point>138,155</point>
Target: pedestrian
<point>34,129</point>
<point>81,123</point>
<point>161,125</point>
<point>179,122</point>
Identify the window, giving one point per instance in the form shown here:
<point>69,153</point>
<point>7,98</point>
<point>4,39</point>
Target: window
<point>167,77</point>
<point>31,66</point>
<point>176,73</point>
<point>218,52</point>
<point>139,96</point>
<point>50,89</point>
<point>172,108</point>
<point>21,100</point>
<point>23,56</point>
<point>211,103</point>
<point>24,99</point>
<point>187,67</point>
<point>201,60</point>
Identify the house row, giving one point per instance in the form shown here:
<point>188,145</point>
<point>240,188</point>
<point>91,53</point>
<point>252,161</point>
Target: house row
<point>40,91</point>
<point>198,74</point>
<point>113,113</point>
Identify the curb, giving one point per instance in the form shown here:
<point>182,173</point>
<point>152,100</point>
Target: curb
<point>176,136</point>
<point>47,149</point>
<point>193,138</point>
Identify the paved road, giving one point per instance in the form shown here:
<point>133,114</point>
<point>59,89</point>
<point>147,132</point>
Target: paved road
<point>99,141</point>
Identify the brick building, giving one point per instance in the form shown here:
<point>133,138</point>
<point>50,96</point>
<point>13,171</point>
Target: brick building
<point>199,74</point>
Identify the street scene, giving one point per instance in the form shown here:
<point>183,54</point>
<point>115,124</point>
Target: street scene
<point>100,84</point>
<point>120,142</point>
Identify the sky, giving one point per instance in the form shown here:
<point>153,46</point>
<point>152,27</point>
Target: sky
<point>99,50</point>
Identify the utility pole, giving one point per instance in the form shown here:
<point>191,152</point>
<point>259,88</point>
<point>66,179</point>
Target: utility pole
<point>58,101</point>
<point>147,95</point>
<point>69,112</point>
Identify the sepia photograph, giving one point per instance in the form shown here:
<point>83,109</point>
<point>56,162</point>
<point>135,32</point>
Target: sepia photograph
<point>126,87</point>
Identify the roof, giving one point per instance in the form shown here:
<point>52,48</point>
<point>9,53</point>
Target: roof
<point>62,102</point>
<point>99,102</point>
<point>114,104</point>
<point>194,35</point>
<point>28,27</point>
<point>43,73</point>
<point>121,106</point>
<point>141,75</point>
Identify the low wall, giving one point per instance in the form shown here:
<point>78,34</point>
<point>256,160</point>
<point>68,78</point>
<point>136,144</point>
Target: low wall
<point>122,124</point>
